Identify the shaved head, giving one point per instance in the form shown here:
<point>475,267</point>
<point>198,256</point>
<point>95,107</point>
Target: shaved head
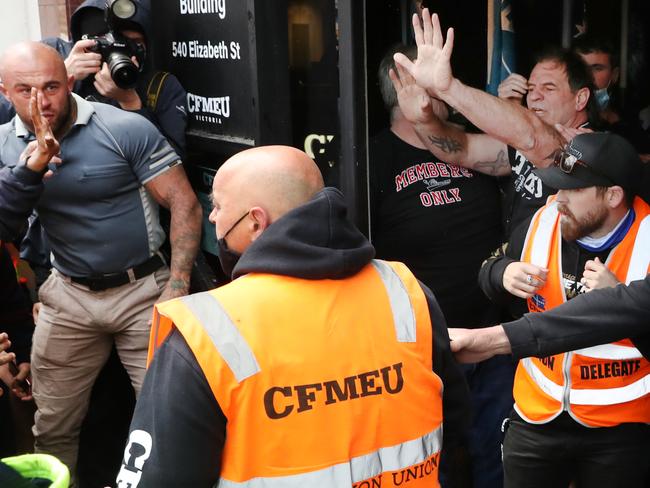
<point>263,184</point>
<point>30,56</point>
<point>276,178</point>
<point>28,65</point>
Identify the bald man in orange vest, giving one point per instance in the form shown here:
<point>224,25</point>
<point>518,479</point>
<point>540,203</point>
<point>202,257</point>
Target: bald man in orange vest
<point>316,366</point>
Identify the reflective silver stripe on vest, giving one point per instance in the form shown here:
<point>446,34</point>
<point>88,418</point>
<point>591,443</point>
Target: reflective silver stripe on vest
<point>610,351</point>
<point>540,252</point>
<point>549,387</point>
<point>600,396</point>
<point>611,396</point>
<point>224,335</point>
<point>638,267</point>
<point>360,468</point>
<point>400,302</point>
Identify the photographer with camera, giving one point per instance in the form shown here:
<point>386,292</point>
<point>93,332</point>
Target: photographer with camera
<point>100,41</point>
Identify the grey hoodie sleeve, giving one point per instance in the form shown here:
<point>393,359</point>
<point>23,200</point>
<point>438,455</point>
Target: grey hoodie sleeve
<point>20,189</point>
<point>597,317</point>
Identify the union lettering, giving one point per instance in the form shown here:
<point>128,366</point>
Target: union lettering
<point>370,483</point>
<point>418,471</point>
<point>280,401</point>
<point>613,369</point>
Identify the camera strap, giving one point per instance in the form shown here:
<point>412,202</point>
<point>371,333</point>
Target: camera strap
<point>154,87</point>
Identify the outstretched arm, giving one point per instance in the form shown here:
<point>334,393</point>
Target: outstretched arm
<point>447,142</point>
<point>583,321</point>
<point>509,123</point>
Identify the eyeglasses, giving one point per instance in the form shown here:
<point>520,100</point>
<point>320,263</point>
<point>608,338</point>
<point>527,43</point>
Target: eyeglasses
<point>566,162</point>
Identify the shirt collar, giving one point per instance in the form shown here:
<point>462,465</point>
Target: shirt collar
<point>85,110</point>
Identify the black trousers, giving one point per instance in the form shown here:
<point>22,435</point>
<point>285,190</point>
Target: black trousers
<point>554,454</point>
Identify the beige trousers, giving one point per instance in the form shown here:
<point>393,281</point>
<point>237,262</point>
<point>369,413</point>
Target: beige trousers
<point>74,334</point>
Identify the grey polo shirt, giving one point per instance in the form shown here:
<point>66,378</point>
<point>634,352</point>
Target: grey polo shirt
<point>95,210</point>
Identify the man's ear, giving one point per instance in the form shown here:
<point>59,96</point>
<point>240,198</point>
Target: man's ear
<point>260,220</point>
<point>4,91</point>
<point>70,82</point>
<point>615,196</point>
<point>616,72</point>
<point>582,97</point>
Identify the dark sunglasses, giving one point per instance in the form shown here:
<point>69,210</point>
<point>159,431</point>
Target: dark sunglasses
<point>566,162</point>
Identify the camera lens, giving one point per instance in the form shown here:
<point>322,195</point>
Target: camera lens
<point>123,71</point>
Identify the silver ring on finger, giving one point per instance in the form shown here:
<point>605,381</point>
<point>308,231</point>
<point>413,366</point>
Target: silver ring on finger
<point>529,279</point>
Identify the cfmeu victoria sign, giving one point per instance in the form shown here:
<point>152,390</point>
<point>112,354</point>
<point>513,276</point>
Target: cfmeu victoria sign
<point>205,43</point>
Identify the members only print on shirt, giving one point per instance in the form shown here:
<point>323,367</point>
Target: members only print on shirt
<point>527,183</point>
<point>437,179</point>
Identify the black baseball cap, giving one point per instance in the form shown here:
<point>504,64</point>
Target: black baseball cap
<point>595,159</point>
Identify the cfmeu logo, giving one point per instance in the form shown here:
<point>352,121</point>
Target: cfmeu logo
<point>137,451</point>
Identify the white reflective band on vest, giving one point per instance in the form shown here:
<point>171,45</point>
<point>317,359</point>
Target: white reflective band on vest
<point>608,396</point>
<point>400,303</point>
<point>224,334</point>
<point>612,396</point>
<point>547,386</point>
<point>360,468</point>
<point>539,254</point>
<point>640,254</point>
<point>610,351</point>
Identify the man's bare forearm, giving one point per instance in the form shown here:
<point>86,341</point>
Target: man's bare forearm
<point>184,237</point>
<point>511,124</point>
<point>494,167</point>
<point>481,153</point>
<point>446,142</point>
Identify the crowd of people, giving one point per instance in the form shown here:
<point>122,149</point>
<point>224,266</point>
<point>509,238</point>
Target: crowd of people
<point>328,360</point>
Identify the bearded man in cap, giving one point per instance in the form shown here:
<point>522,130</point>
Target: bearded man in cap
<point>581,415</point>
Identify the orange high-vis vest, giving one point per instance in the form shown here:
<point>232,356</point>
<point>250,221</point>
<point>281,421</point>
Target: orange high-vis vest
<point>324,383</point>
<point>599,386</point>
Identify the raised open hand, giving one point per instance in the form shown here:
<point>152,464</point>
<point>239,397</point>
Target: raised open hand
<point>414,101</point>
<point>432,68</point>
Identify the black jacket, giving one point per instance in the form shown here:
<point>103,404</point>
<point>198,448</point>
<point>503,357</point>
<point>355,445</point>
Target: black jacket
<point>176,406</point>
<point>597,317</point>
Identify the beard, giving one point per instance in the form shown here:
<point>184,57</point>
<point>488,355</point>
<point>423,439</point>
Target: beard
<point>62,119</point>
<point>573,229</point>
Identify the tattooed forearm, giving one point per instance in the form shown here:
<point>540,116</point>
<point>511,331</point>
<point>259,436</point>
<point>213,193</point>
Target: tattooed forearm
<point>184,236</point>
<point>495,168</point>
<point>446,144</point>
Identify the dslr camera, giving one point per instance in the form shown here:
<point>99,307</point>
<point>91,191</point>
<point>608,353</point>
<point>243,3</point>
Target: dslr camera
<point>117,50</point>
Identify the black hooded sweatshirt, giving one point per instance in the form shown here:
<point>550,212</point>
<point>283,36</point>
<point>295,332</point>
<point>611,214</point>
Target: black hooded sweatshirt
<point>177,407</point>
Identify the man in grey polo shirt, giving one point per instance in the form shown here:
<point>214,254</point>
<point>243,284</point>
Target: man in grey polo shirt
<point>99,209</point>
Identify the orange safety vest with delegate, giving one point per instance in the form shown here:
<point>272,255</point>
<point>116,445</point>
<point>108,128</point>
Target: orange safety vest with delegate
<point>324,383</point>
<point>599,386</point>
